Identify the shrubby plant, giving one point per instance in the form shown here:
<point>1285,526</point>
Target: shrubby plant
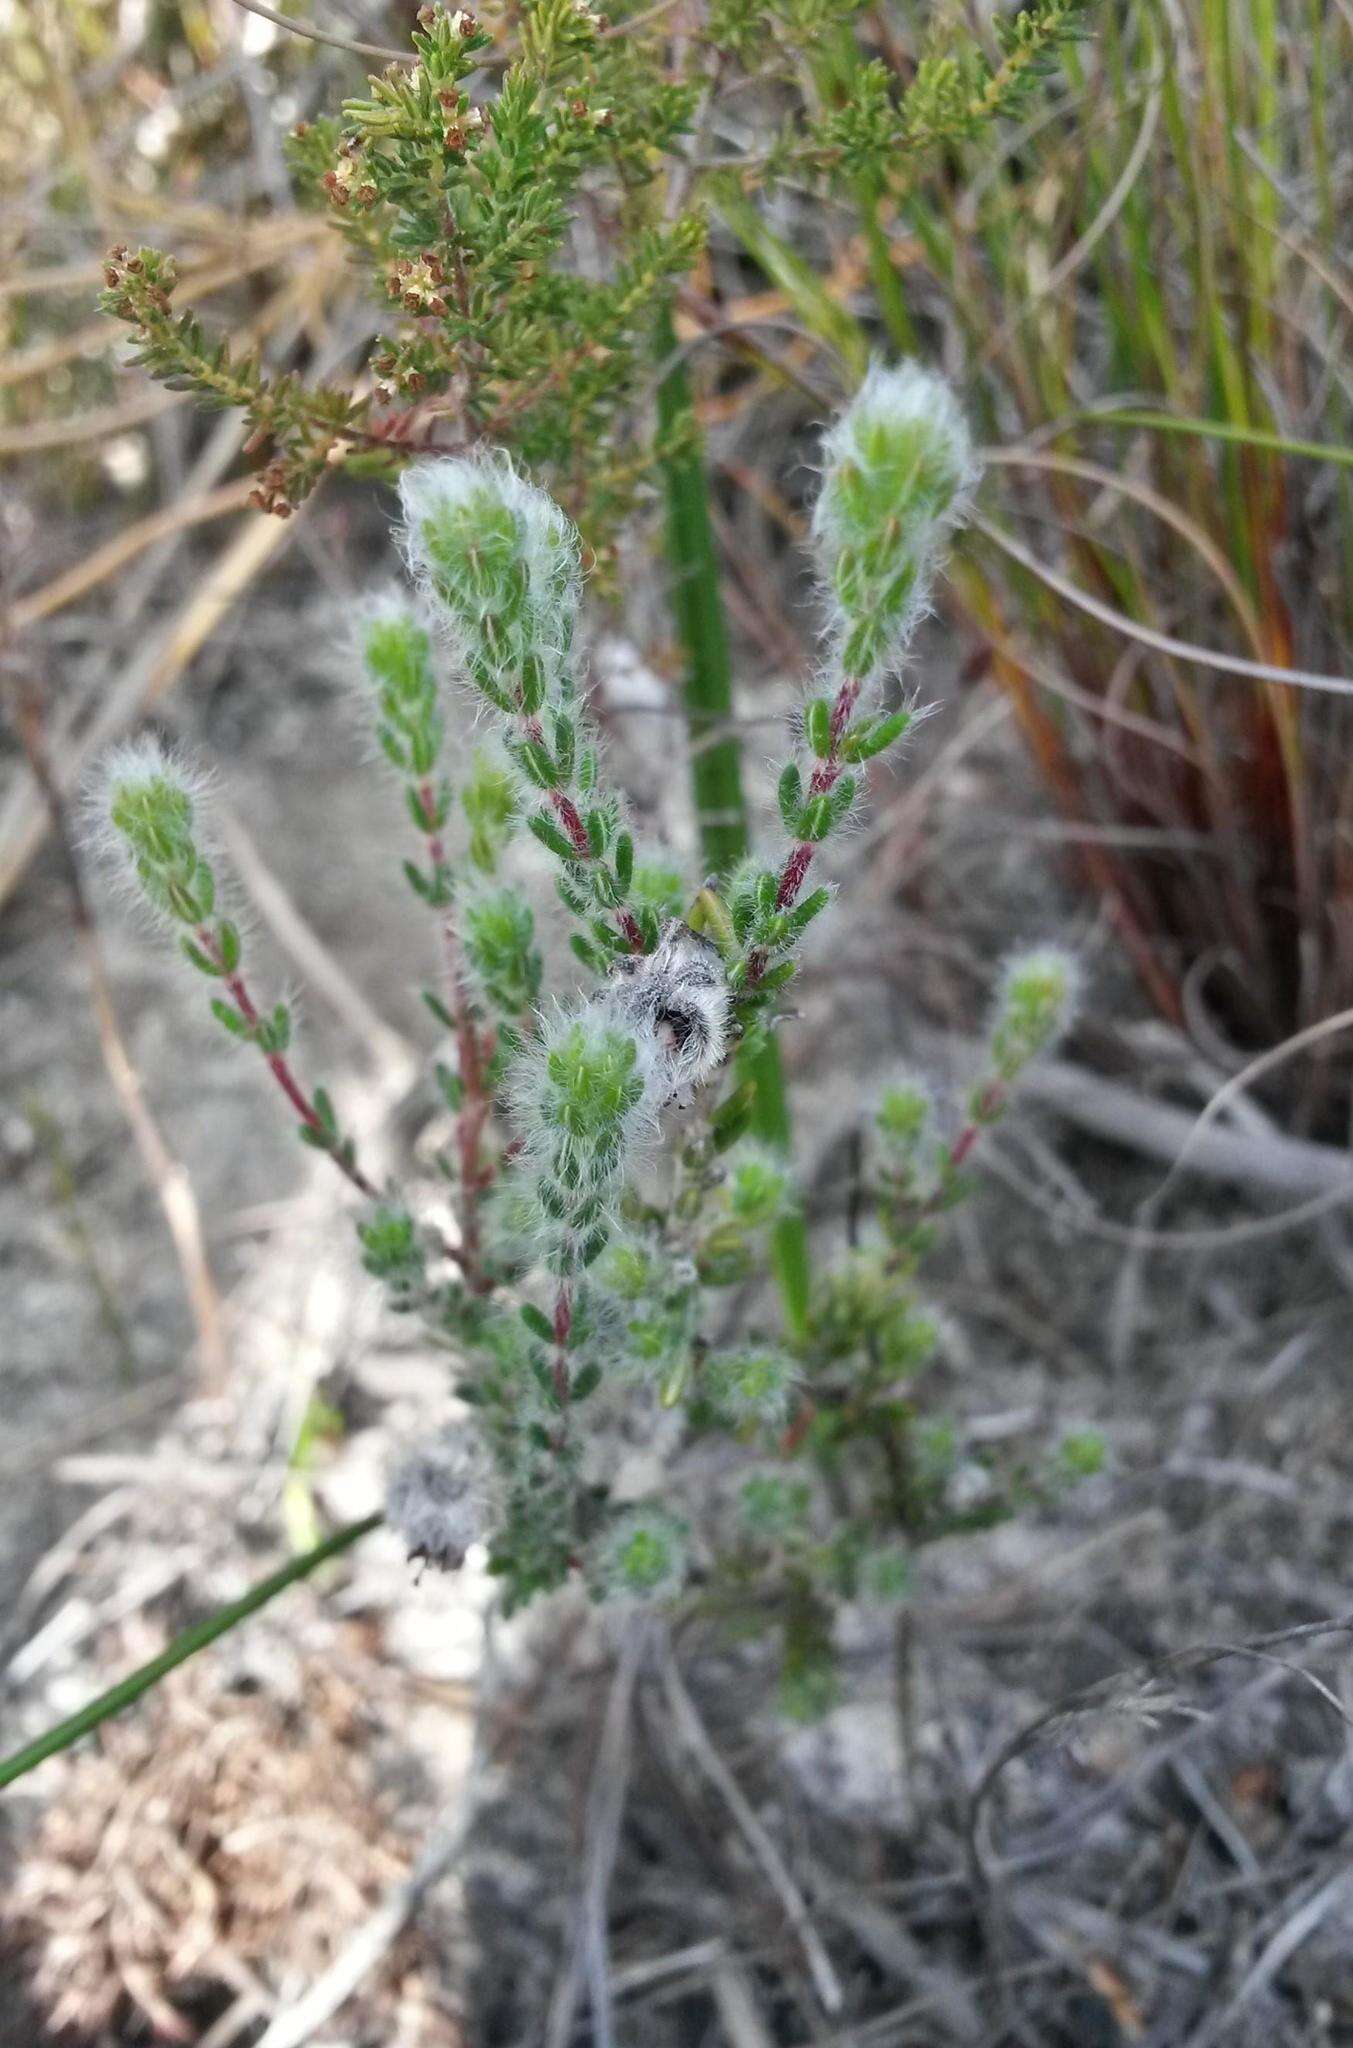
<point>604,1187</point>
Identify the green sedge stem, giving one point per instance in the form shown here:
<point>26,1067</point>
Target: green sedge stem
<point>716,772</point>
<point>1224,430</point>
<point>128,1690</point>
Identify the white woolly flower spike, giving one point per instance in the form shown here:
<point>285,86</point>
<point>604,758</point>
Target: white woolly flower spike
<point>899,467</point>
<point>437,1497</point>
<point>143,806</point>
<point>499,561</point>
<point>677,999</point>
<point>584,1091</point>
<point>1035,1006</point>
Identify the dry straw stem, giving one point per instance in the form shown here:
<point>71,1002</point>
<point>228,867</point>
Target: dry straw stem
<point>23,821</point>
<point>1138,1691</point>
<point>169,1177</point>
<point>694,1738</point>
<point>1161,643</point>
<point>82,577</point>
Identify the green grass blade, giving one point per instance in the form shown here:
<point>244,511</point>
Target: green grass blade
<point>820,313</point>
<point>1225,430</point>
<point>128,1690</point>
<point>716,763</point>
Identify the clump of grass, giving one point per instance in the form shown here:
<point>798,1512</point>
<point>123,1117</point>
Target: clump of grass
<point>1145,288</point>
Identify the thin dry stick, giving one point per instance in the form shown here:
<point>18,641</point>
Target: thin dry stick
<point>1163,643</point>
<point>692,1732</point>
<point>320,35</point>
<point>375,1937</point>
<point>323,973</point>
<point>124,547</point>
<point>23,821</point>
<point>605,1811</point>
<point>1295,1930</point>
<point>1236,1086</point>
<point>168,1176</point>
<point>1126,1689</point>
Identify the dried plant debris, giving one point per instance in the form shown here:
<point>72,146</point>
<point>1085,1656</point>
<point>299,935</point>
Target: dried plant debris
<point>225,1843</point>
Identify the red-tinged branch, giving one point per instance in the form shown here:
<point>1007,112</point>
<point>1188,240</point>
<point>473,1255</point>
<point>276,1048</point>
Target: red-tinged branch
<point>991,1103</point>
<point>563,1325</point>
<point>567,814</point>
<point>474,1051</point>
<point>280,1067</point>
<point>570,818</point>
<point>824,779</point>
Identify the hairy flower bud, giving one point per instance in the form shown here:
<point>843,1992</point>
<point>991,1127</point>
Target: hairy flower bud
<point>499,560</point>
<point>905,1124</point>
<point>1034,1008</point>
<point>643,1555</point>
<point>885,1573</point>
<point>395,651</point>
<point>750,1386</point>
<point>899,466</point>
<point>584,1091</point>
<point>498,929</point>
<point>145,806</point>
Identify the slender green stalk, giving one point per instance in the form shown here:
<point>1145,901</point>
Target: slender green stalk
<point>128,1690</point>
<point>1225,430</point>
<point>716,771</point>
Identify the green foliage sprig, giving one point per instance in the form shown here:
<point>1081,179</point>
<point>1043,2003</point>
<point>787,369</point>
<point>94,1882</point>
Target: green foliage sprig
<point>461,204</point>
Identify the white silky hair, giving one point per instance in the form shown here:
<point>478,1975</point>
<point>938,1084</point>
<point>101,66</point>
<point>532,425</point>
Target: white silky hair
<point>678,998</point>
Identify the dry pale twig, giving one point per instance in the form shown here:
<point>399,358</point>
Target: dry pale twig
<point>168,1176</point>
<point>374,1939</point>
<point>605,1811</point>
<point>24,818</point>
<point>692,1733</point>
<point>1138,1690</point>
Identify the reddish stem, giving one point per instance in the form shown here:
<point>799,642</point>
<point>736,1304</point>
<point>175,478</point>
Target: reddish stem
<point>563,1324</point>
<point>569,817</point>
<point>824,779</point>
<point>473,1053</point>
<point>991,1104</point>
<point>279,1065</point>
